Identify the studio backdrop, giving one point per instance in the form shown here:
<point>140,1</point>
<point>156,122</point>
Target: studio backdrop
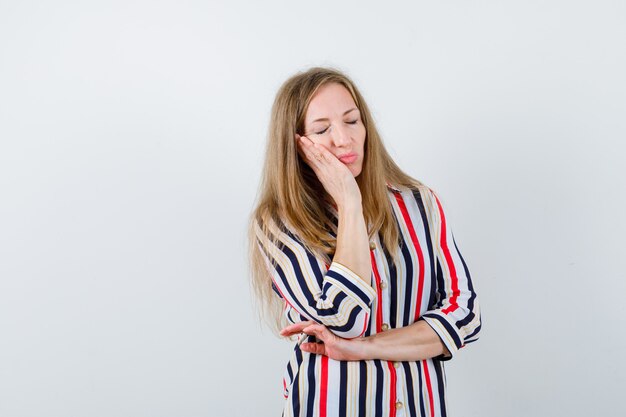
<point>132,135</point>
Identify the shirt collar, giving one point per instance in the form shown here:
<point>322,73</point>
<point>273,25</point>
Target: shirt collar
<point>393,188</point>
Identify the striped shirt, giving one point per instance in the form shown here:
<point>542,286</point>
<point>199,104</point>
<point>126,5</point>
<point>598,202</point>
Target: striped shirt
<point>431,282</point>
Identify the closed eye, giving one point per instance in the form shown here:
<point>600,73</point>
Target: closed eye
<point>353,122</point>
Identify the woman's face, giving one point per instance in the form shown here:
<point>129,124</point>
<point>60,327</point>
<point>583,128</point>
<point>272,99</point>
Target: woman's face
<point>333,120</point>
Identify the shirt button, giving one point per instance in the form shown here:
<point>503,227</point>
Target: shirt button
<point>385,326</point>
<point>396,364</point>
<point>372,245</point>
<point>398,405</point>
<point>383,284</point>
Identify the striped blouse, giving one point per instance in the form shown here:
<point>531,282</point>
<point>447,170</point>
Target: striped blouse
<point>431,282</point>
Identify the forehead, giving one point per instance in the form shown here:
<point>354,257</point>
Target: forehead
<point>330,100</point>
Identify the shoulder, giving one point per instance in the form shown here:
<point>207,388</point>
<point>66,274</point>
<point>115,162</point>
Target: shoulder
<point>420,196</point>
<point>273,228</point>
<point>418,190</point>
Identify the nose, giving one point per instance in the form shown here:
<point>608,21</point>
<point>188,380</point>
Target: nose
<point>340,136</point>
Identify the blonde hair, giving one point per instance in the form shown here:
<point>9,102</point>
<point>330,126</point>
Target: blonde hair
<point>289,189</point>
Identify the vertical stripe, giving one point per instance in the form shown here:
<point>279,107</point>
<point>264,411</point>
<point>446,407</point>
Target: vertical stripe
<point>392,279</point>
<point>392,389</point>
<point>380,386</point>
<point>429,246</point>
<point>408,375</point>
<point>363,377</point>
<point>446,253</point>
<point>343,395</point>
<point>421,389</point>
<point>311,372</point>
<point>420,255</point>
<point>429,388</point>
<point>295,395</point>
<point>379,295</point>
<point>441,386</point>
<point>470,287</point>
<point>323,386</point>
<point>423,281</point>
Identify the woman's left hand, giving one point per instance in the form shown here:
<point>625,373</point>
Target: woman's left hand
<point>332,345</point>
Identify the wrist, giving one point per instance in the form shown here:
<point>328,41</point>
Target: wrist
<point>359,349</point>
<point>366,348</point>
<point>349,205</point>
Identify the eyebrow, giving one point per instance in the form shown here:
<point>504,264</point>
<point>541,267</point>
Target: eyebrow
<point>326,118</point>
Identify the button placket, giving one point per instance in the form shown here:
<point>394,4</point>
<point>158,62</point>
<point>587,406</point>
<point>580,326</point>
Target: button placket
<point>383,283</point>
<point>400,393</point>
<point>383,276</point>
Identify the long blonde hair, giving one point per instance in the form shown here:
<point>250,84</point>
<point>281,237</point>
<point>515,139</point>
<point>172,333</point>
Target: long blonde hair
<point>289,189</point>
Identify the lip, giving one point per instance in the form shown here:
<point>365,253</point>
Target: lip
<point>348,158</point>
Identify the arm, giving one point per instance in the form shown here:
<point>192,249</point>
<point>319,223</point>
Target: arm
<point>455,317</point>
<point>448,325</point>
<point>339,297</point>
<point>352,249</point>
<point>411,343</point>
<point>334,295</point>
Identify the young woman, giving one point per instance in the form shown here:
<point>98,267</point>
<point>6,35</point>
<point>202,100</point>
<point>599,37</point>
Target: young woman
<point>357,258</point>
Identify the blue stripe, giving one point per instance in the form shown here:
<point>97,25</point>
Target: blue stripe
<point>343,386</point>
<point>438,365</point>
<point>470,286</point>
<point>310,401</point>
<point>431,263</point>
<point>362,389</point>
<point>334,310</point>
<point>380,382</point>
<point>350,285</point>
<point>449,329</point>
<point>408,376</point>
<point>354,399</point>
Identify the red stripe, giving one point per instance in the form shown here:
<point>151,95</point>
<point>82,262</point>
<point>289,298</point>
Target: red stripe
<point>365,323</point>
<point>420,255</point>
<point>446,253</point>
<point>430,389</point>
<point>392,390</point>
<point>324,386</point>
<point>379,298</point>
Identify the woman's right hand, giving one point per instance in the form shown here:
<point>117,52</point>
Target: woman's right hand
<point>336,178</point>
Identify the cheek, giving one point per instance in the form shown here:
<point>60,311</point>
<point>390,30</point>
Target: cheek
<point>362,141</point>
<point>320,141</point>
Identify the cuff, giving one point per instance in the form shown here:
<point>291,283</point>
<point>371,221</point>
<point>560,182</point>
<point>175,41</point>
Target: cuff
<point>351,284</point>
<point>446,331</point>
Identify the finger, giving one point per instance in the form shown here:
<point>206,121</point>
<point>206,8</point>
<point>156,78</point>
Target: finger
<point>300,150</point>
<point>295,328</point>
<point>307,146</point>
<point>316,153</point>
<point>316,348</point>
<point>319,331</point>
<point>313,156</point>
<point>325,156</point>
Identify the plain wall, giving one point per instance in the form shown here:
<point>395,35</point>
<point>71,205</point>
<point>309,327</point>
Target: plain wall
<point>131,142</point>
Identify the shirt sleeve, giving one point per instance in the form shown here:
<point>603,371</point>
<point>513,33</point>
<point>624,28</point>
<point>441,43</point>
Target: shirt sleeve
<point>455,316</point>
<point>332,295</point>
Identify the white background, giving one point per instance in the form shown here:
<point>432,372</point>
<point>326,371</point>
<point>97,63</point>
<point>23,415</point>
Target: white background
<point>131,140</point>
